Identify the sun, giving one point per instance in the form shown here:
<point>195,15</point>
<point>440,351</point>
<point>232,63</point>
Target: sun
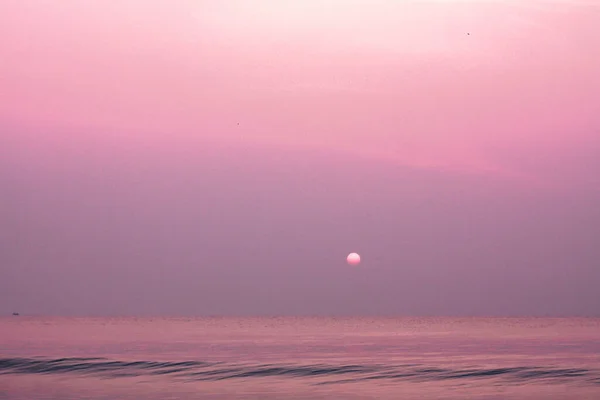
<point>353,259</point>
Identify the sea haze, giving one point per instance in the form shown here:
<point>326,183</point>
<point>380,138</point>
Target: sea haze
<point>285,357</point>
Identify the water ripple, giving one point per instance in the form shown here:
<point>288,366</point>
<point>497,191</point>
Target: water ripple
<point>324,374</point>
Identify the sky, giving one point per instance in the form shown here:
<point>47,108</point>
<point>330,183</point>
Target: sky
<point>185,157</point>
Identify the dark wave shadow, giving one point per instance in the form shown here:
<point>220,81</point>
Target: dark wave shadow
<point>328,374</point>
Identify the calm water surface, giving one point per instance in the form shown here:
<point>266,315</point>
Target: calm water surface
<point>299,358</point>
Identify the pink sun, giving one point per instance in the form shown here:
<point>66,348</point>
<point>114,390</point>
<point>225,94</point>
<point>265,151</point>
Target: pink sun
<point>353,259</point>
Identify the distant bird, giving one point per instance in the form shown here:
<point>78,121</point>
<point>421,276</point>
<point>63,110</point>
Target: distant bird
<point>468,34</point>
<point>16,314</point>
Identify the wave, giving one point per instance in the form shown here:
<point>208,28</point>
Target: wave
<point>197,370</point>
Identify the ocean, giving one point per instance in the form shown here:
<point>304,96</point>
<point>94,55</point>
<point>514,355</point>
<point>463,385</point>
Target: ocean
<point>299,358</point>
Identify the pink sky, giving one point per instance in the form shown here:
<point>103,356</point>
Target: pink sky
<point>438,83</point>
<point>499,97</point>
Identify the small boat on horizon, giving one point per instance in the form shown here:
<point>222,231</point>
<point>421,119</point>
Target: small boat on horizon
<point>15,314</point>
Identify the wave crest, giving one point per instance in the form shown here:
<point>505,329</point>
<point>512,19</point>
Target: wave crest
<point>197,370</point>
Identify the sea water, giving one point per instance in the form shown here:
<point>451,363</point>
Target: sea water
<point>299,358</point>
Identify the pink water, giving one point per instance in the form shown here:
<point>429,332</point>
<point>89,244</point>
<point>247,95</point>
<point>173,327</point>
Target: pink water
<point>309,358</point>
